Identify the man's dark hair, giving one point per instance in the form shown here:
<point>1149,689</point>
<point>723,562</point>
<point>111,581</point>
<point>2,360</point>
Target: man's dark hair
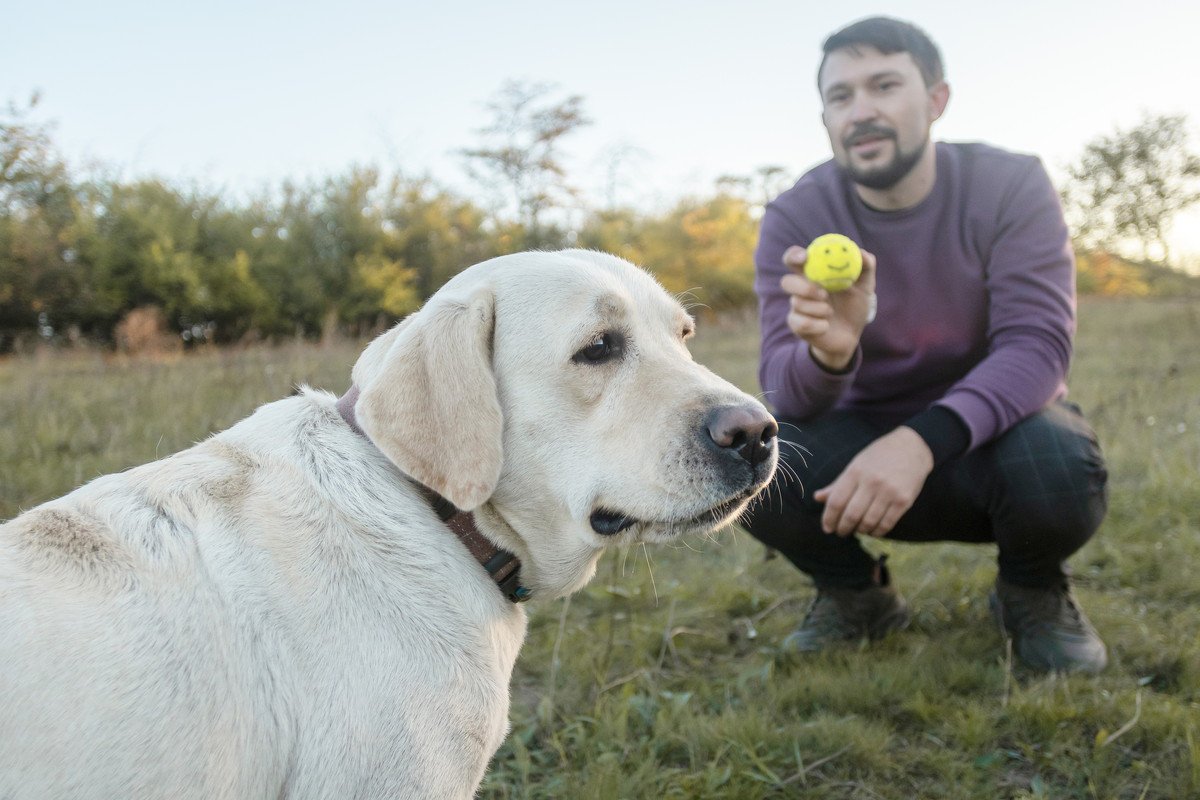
<point>888,36</point>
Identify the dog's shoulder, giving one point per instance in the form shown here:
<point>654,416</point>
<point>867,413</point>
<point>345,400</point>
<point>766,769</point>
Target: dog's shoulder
<point>147,517</point>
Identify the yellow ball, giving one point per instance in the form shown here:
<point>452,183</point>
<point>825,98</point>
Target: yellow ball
<point>834,262</point>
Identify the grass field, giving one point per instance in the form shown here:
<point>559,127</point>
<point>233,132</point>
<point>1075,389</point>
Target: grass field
<point>661,680</point>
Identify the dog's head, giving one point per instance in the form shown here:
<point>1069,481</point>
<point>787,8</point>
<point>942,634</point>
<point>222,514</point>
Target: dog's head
<point>553,393</point>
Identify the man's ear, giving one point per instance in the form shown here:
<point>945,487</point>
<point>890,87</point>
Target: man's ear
<point>428,398</point>
<point>939,98</point>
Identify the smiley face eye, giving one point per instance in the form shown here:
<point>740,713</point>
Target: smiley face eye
<point>605,347</point>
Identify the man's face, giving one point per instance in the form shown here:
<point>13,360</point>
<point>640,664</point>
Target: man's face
<point>877,111</point>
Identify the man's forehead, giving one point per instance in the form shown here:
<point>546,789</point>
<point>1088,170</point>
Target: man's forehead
<point>851,64</point>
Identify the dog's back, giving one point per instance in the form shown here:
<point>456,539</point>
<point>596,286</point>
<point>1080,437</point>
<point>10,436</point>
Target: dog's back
<point>262,614</point>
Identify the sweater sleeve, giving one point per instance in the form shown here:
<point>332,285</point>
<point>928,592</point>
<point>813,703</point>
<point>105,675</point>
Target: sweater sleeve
<point>792,382</point>
<point>943,431</point>
<point>1031,308</point>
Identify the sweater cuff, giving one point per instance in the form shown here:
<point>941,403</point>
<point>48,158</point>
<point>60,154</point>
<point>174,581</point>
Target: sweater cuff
<point>946,435</point>
<point>850,367</point>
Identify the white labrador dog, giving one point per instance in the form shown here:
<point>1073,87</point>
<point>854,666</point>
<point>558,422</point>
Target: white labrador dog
<point>279,611</point>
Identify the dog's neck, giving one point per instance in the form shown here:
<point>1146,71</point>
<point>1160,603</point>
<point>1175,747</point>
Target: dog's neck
<point>503,567</point>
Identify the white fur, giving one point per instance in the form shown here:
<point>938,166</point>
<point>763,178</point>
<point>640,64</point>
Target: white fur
<point>278,612</point>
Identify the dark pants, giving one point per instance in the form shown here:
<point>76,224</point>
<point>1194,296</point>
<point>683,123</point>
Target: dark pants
<point>1038,491</point>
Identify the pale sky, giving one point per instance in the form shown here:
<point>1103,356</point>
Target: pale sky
<point>239,95</point>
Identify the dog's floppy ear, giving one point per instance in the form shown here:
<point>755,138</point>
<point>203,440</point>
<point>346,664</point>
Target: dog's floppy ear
<point>428,398</point>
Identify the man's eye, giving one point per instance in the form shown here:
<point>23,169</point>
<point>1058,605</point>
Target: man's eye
<point>604,347</point>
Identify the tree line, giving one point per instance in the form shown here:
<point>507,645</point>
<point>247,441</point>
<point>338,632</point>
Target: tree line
<point>354,252</point>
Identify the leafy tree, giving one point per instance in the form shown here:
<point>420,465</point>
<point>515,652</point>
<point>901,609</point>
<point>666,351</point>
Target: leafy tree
<point>619,231</point>
<point>349,242</point>
<point>32,175</point>
<point>309,250</point>
<point>185,253</point>
<point>521,154</point>
<point>704,246</point>
<point>231,301</point>
<point>142,251</point>
<point>38,214</point>
<point>1102,273</point>
<point>437,234</point>
<point>284,248</point>
<point>1130,184</point>
<point>357,250</point>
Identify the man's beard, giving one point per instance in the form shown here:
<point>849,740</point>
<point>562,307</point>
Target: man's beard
<point>891,173</point>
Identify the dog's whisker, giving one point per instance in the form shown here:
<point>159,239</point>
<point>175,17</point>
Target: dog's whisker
<point>650,569</point>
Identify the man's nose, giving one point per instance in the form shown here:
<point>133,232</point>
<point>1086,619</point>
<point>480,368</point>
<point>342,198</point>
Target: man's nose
<point>862,108</point>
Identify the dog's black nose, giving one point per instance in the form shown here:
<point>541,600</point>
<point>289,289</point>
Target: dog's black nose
<point>747,430</point>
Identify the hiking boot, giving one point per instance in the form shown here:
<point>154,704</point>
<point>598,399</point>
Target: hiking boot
<point>839,615</point>
<point>1048,629</point>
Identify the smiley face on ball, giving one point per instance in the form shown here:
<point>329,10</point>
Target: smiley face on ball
<point>834,262</point>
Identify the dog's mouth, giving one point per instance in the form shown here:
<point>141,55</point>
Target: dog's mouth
<point>607,522</point>
<point>610,523</point>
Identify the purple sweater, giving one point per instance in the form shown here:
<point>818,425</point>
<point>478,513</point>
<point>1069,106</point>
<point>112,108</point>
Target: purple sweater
<point>976,292</point>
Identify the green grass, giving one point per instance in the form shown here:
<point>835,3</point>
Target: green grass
<point>661,680</point>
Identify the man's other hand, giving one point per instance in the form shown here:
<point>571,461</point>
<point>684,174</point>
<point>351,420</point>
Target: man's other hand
<point>878,486</point>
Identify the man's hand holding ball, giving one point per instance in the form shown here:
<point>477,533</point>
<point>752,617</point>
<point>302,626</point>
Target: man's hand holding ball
<point>830,321</point>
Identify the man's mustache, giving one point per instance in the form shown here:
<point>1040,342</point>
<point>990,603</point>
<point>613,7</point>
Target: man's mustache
<point>867,130</point>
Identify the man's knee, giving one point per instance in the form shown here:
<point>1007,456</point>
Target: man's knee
<point>1052,476</point>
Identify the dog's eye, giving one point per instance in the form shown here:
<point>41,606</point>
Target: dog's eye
<point>604,347</point>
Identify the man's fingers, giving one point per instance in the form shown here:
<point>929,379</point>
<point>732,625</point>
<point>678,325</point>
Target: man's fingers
<point>817,309</point>
<point>823,496</point>
<point>873,517</point>
<point>835,497</point>
<point>866,281</point>
<point>890,518</point>
<point>850,521</point>
<point>794,257</point>
<point>799,286</point>
<point>869,262</point>
<point>809,313</point>
<point>807,327</point>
